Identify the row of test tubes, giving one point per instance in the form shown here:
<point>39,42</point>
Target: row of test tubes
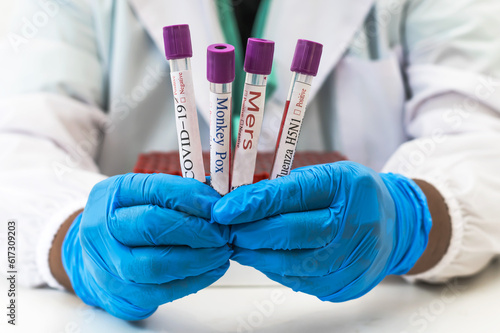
<point>226,176</point>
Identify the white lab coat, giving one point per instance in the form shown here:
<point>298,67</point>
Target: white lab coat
<point>83,94</point>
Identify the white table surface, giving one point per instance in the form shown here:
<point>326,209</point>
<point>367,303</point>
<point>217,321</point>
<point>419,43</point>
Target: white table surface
<point>468,305</point>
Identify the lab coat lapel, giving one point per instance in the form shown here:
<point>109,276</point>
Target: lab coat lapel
<point>202,17</point>
<point>332,23</point>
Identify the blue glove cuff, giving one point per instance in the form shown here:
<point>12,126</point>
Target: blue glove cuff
<point>413,222</point>
<point>71,255</point>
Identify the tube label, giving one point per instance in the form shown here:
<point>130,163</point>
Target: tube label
<point>220,142</point>
<point>290,130</point>
<point>188,132</point>
<point>245,155</point>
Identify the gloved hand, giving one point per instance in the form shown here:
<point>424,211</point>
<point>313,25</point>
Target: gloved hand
<point>333,230</point>
<point>144,240</point>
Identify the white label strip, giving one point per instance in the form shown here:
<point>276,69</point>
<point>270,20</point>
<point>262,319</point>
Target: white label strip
<point>245,155</point>
<point>220,142</point>
<point>188,132</point>
<point>290,130</point>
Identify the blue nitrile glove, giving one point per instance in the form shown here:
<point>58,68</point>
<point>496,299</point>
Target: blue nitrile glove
<point>333,230</point>
<point>144,240</point>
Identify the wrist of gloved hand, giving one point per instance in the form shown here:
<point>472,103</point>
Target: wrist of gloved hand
<point>413,221</point>
<point>71,245</point>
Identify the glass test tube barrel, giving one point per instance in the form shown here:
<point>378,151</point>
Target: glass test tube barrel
<point>178,51</point>
<point>258,65</point>
<point>220,74</point>
<point>304,67</point>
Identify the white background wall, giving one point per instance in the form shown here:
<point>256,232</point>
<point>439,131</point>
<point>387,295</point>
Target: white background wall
<point>5,10</point>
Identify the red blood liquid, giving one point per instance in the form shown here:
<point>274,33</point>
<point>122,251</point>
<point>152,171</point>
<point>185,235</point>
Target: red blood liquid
<point>285,112</point>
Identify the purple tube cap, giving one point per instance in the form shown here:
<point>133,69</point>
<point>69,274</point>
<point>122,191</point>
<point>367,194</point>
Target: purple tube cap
<point>177,39</point>
<point>259,56</point>
<point>220,63</point>
<point>306,58</point>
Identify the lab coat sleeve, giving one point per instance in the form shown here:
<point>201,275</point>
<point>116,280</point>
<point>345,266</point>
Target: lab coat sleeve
<point>50,127</point>
<point>453,117</point>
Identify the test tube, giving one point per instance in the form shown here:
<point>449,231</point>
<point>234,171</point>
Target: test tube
<point>258,65</point>
<point>220,74</point>
<point>304,67</point>
<point>178,51</point>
